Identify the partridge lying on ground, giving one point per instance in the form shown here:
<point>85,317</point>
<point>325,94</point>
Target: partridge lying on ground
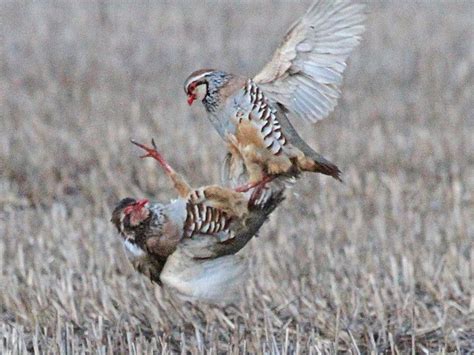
<point>302,80</point>
<point>189,243</point>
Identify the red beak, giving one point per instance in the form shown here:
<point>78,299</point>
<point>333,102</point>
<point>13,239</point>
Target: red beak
<point>136,206</point>
<point>141,203</point>
<point>191,99</point>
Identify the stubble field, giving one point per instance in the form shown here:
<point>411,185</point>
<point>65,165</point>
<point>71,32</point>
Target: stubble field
<point>382,263</point>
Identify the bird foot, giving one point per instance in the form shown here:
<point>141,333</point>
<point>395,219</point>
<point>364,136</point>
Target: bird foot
<point>153,153</point>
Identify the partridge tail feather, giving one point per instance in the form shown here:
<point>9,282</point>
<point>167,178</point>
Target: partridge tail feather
<point>314,162</point>
<point>318,162</point>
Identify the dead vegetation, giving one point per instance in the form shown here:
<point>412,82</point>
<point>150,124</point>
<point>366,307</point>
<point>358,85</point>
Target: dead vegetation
<point>383,263</point>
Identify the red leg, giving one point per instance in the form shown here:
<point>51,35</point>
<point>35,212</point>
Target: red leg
<point>249,186</point>
<point>153,153</point>
<point>246,187</point>
<point>257,192</point>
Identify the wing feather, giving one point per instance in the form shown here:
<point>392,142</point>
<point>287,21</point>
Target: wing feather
<point>305,73</point>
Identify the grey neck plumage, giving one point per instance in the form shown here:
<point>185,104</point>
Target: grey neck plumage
<point>175,211</point>
<point>212,101</point>
<point>214,83</point>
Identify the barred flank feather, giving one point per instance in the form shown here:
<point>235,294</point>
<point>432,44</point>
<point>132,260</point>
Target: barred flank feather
<point>264,117</point>
<point>204,220</point>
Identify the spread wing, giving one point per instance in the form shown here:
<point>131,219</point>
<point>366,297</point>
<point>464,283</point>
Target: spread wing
<point>305,73</point>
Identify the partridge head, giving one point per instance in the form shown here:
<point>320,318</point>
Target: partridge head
<point>147,227</point>
<point>129,217</point>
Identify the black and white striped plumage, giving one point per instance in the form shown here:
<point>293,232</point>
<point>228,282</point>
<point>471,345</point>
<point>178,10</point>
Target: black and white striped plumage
<point>263,116</point>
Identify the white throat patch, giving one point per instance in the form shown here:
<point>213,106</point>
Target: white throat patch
<point>132,249</point>
<point>200,91</point>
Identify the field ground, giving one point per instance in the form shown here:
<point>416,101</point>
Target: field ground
<point>382,263</point>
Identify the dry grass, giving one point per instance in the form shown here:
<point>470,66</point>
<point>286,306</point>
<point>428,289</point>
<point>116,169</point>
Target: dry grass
<point>383,263</point>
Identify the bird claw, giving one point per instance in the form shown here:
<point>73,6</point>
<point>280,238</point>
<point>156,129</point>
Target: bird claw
<point>153,153</point>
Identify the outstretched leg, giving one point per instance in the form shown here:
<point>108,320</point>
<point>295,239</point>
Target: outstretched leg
<point>179,183</point>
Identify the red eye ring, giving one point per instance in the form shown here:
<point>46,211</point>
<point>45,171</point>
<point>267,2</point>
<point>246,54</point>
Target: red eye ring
<point>191,87</point>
